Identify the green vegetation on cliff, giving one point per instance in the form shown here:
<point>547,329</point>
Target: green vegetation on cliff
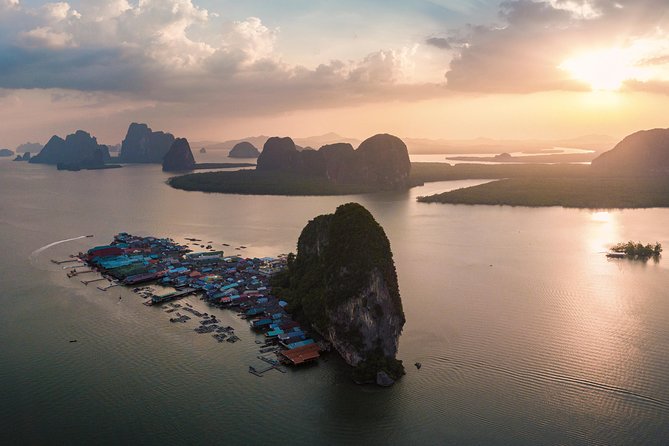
<point>254,182</point>
<point>585,192</point>
<point>343,281</point>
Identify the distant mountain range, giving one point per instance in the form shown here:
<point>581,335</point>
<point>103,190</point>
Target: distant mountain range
<point>598,143</point>
<point>314,142</point>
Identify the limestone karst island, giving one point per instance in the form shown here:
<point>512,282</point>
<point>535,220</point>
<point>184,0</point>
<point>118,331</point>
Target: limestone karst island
<point>429,222</point>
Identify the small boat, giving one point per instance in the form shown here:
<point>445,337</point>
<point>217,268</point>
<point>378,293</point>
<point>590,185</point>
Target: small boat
<point>418,365</point>
<point>73,340</point>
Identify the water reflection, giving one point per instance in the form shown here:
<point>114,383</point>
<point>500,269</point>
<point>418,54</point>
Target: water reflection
<point>602,231</point>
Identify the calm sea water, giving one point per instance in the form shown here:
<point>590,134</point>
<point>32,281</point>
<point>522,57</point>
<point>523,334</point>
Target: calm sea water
<point>527,334</point>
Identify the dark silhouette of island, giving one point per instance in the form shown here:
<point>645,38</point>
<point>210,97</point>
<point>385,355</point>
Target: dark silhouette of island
<point>381,163</point>
<point>636,251</point>
<point>244,149</point>
<point>6,153</point>
<point>32,147</point>
<point>642,153</point>
<point>634,174</point>
<point>179,157</point>
<point>540,158</point>
<point>24,157</point>
<point>78,150</point>
<point>343,281</point>
<point>143,145</point>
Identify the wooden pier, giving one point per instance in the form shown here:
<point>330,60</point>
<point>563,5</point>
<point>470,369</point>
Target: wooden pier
<point>86,282</point>
<point>60,262</point>
<point>75,273</point>
<point>111,285</point>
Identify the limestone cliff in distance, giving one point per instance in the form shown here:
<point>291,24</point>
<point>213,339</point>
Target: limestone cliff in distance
<point>143,145</point>
<point>244,149</point>
<point>381,161</point>
<point>642,153</point>
<point>343,281</point>
<point>179,157</point>
<point>78,148</point>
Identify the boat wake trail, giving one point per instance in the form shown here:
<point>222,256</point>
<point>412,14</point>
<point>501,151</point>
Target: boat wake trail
<point>37,252</point>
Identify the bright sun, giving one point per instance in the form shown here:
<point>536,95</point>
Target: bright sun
<point>604,70</point>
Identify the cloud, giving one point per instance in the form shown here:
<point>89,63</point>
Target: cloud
<point>45,37</point>
<point>439,42</point>
<point>524,52</point>
<point>9,4</point>
<point>180,55</point>
<point>56,12</point>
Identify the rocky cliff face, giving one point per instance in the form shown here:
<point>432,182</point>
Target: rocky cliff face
<point>78,148</point>
<point>641,153</point>
<point>343,280</point>
<point>340,162</point>
<point>143,145</point>
<point>244,149</point>
<point>279,154</point>
<point>179,157</point>
<point>384,161</point>
<point>381,161</point>
<point>24,157</point>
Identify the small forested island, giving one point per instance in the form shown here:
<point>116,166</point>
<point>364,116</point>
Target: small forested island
<point>6,152</point>
<point>244,149</point>
<point>343,281</point>
<point>636,251</point>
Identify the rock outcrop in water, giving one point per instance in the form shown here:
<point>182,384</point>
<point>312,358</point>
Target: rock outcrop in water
<point>641,153</point>
<point>179,157</point>
<point>33,147</point>
<point>143,145</point>
<point>6,153</point>
<point>244,149</point>
<point>77,149</point>
<point>343,281</point>
<point>381,161</point>
<point>24,157</point>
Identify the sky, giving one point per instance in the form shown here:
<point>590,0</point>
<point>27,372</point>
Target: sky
<point>225,69</point>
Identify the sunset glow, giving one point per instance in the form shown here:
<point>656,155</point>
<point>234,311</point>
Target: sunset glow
<point>224,70</point>
<point>605,70</point>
